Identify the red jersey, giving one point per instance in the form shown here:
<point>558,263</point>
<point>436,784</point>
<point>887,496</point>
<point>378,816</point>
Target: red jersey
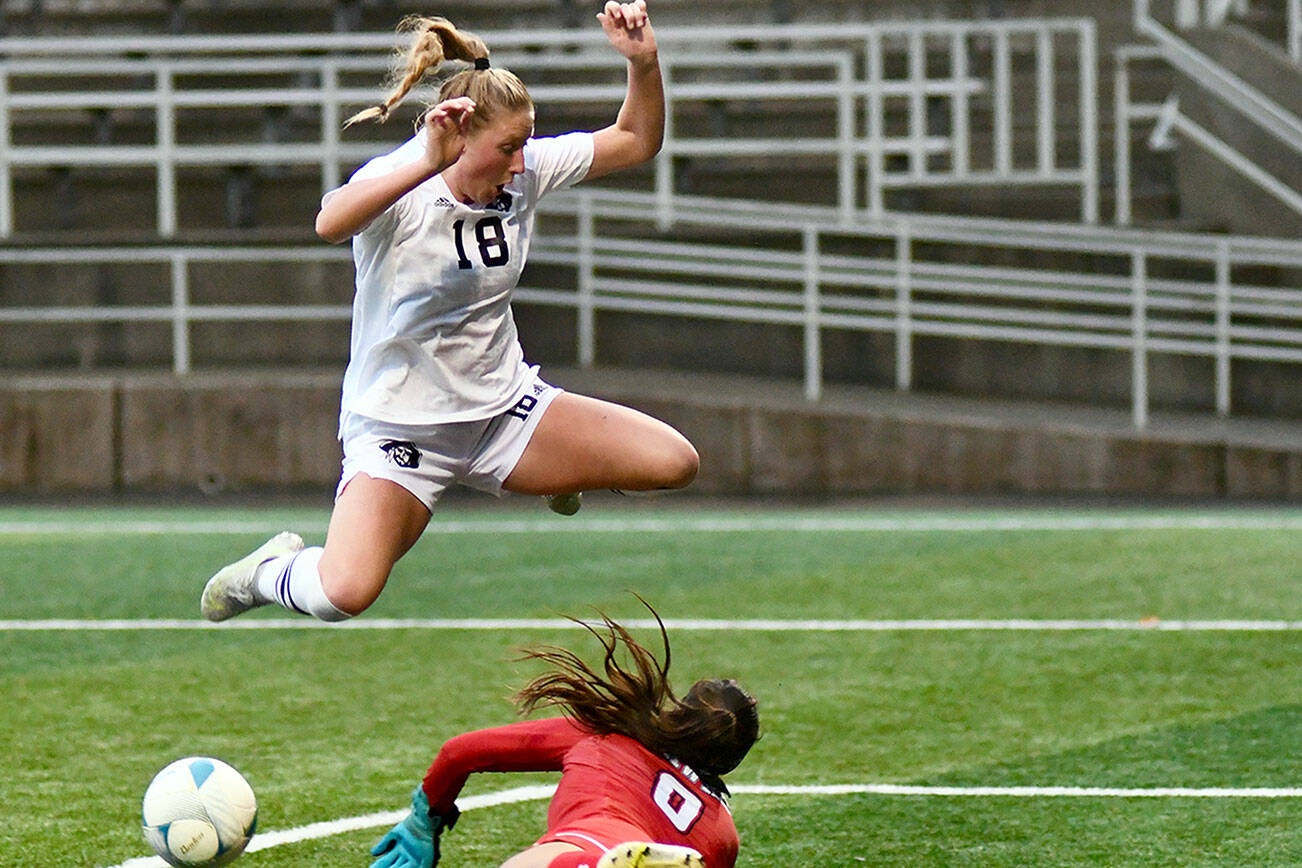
<point>612,788</point>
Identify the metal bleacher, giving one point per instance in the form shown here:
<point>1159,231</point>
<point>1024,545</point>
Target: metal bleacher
<point>878,107</point>
<point>780,199</point>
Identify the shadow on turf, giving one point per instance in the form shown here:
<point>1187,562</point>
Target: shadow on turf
<point>1257,749</point>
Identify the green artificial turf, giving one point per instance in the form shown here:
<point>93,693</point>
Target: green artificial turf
<point>335,723</point>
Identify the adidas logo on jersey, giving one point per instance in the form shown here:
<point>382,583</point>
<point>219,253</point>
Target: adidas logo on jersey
<point>444,202</point>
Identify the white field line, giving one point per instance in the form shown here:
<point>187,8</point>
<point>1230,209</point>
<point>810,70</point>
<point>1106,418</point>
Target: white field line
<point>677,625</point>
<point>678,523</point>
<point>1026,792</point>
<point>265,840</point>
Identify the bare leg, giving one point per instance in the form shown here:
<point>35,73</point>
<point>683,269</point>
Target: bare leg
<point>540,855</point>
<point>374,523</point>
<point>583,443</point>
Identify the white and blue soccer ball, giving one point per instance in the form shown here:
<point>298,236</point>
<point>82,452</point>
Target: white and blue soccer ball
<point>199,812</point>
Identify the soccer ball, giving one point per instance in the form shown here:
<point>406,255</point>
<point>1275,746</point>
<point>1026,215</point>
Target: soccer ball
<point>199,812</point>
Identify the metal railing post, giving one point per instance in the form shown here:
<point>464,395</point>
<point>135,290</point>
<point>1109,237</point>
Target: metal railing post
<point>1089,124</point>
<point>876,122</point>
<point>1139,339</point>
<point>586,302</point>
<point>960,124</point>
<point>664,170</point>
<point>846,157</point>
<point>917,61</point>
<point>6,170</point>
<point>180,314</point>
<point>165,122</point>
<point>1223,348</point>
<point>1121,142</point>
<point>330,174</point>
<point>1044,104</point>
<point>1295,30</point>
<point>1003,99</point>
<point>904,308</point>
<point>813,316</point>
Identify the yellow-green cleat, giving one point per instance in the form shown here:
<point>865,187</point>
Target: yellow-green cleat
<point>644,854</point>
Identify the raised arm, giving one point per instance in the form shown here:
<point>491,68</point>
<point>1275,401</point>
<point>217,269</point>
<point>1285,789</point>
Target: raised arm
<point>639,129</point>
<point>352,207</point>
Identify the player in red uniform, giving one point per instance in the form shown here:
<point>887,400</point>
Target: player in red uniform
<point>641,770</point>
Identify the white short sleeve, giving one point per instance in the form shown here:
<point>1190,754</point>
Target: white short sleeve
<point>560,161</point>
<point>408,152</point>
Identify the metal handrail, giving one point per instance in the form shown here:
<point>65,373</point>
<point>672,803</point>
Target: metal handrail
<point>841,73</point>
<point>383,43</point>
<point>1169,119</point>
<point>1120,307</point>
<point>1232,90</point>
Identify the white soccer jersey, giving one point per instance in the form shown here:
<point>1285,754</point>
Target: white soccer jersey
<point>434,340</point>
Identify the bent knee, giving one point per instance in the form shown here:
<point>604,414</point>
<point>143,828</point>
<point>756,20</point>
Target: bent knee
<point>351,591</point>
<point>679,465</point>
<point>351,601</point>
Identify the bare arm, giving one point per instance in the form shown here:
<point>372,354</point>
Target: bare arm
<point>639,129</point>
<point>354,205</point>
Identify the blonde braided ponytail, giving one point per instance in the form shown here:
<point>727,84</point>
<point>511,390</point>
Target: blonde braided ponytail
<point>433,40</point>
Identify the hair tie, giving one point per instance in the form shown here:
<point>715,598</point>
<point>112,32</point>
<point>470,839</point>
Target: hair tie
<point>481,63</point>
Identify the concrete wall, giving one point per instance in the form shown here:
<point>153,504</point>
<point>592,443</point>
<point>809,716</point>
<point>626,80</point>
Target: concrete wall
<point>250,432</point>
<point>228,431</point>
<point>161,433</point>
<point>58,434</point>
<point>782,445</point>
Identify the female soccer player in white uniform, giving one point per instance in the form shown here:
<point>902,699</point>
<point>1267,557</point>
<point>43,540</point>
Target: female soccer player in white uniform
<point>437,391</point>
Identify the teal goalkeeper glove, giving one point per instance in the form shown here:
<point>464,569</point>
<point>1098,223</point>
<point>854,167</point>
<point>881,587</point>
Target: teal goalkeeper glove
<point>414,843</point>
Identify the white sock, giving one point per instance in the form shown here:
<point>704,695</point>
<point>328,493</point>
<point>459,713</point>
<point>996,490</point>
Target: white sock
<point>293,581</point>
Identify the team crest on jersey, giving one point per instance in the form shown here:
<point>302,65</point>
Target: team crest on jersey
<point>501,203</point>
<point>402,453</point>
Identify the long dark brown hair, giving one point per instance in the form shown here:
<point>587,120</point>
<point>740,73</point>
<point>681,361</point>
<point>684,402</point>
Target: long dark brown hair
<point>710,728</point>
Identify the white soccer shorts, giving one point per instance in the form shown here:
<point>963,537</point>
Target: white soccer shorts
<point>428,459</point>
